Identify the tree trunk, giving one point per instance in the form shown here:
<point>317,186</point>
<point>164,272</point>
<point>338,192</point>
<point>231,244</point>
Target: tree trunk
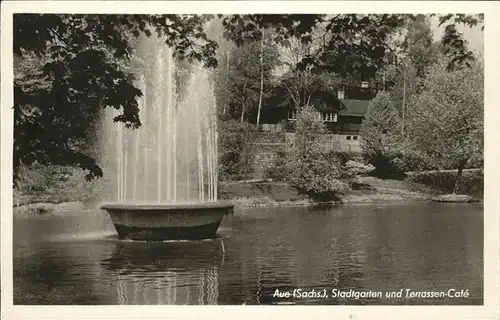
<point>242,112</point>
<point>227,83</point>
<point>383,81</point>
<point>261,78</point>
<point>403,109</point>
<point>458,178</point>
<point>243,102</point>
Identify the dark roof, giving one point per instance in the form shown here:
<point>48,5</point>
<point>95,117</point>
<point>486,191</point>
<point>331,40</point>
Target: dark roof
<point>354,107</point>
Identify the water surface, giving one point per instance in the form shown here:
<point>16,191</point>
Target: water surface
<point>76,258</point>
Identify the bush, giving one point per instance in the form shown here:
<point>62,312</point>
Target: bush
<point>280,170</point>
<point>38,178</point>
<point>317,177</point>
<point>410,161</point>
<point>289,126</point>
<point>313,171</point>
<point>354,168</point>
<point>235,150</point>
<point>443,181</point>
<point>57,184</point>
<point>31,179</point>
<point>385,166</point>
<point>341,156</point>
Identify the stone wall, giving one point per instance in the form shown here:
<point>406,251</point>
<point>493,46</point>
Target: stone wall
<point>266,147</point>
<point>269,137</point>
<point>333,142</point>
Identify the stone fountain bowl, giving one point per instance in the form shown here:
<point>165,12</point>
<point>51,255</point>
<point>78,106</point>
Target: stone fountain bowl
<point>156,222</point>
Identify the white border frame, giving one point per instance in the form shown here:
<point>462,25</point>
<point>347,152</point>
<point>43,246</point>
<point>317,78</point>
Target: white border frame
<point>490,309</point>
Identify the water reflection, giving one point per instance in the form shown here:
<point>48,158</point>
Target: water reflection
<point>423,247</point>
<point>166,272</point>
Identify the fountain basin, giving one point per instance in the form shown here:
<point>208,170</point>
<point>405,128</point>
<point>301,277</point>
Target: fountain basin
<point>156,222</point>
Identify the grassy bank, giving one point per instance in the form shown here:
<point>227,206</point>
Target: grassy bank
<point>74,193</point>
<point>267,193</point>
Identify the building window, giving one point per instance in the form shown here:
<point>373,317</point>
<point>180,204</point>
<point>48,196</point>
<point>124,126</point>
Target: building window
<point>348,137</point>
<point>354,137</point>
<point>325,116</point>
<point>341,94</point>
<point>329,117</point>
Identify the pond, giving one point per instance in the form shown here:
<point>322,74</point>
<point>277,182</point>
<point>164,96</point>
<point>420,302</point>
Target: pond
<point>76,258</point>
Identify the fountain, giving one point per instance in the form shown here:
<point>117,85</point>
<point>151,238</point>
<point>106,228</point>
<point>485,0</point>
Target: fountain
<point>165,173</point>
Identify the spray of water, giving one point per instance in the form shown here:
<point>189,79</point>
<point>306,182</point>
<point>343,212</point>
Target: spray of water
<point>172,157</point>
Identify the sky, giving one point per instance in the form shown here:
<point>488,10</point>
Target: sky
<point>474,36</point>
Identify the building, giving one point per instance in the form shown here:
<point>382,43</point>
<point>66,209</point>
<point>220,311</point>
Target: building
<point>345,122</point>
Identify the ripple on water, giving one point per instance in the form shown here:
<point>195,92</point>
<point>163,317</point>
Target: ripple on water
<point>87,236</point>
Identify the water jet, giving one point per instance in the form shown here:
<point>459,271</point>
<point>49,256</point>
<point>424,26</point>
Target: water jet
<point>165,173</point>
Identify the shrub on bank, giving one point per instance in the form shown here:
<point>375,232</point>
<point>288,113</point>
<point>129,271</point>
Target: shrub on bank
<point>341,156</point>
<point>317,177</point>
<point>471,182</point>
<point>411,161</point>
<point>354,168</point>
<point>55,184</point>
<point>313,171</point>
<point>385,166</point>
<point>38,178</point>
<point>280,170</point>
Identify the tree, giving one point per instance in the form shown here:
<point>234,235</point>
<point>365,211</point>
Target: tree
<point>365,38</point>
<point>312,171</point>
<point>380,127</point>
<point>301,86</point>
<point>261,94</point>
<point>412,52</point>
<point>70,66</point>
<point>221,74</point>
<point>242,87</point>
<point>418,46</point>
<point>453,42</point>
<point>364,35</point>
<point>445,122</point>
<point>379,133</point>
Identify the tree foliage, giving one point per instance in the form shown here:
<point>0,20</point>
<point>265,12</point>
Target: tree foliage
<point>312,171</point>
<point>349,43</point>
<point>70,66</point>
<point>418,45</point>
<point>445,121</point>
<point>300,86</point>
<point>235,156</point>
<point>381,126</point>
<point>453,42</point>
<point>412,52</point>
<point>380,135</point>
<point>238,78</point>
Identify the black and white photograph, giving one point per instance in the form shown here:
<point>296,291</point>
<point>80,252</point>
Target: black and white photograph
<point>246,158</point>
